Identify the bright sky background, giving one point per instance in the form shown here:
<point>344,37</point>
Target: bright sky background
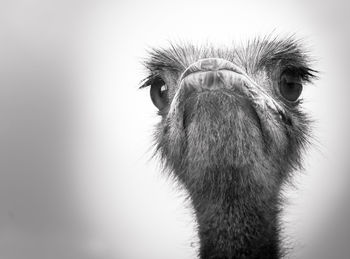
<point>76,178</point>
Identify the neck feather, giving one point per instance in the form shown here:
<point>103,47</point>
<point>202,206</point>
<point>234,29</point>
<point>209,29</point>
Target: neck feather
<point>237,215</point>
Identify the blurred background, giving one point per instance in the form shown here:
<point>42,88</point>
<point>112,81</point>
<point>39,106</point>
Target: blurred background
<point>76,175</point>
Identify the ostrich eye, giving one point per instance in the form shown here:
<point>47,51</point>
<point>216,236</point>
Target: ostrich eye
<point>159,93</point>
<point>290,86</point>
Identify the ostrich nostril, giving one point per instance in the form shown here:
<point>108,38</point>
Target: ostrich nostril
<point>207,80</point>
<point>212,74</point>
<point>210,64</point>
<point>210,78</point>
<point>213,80</point>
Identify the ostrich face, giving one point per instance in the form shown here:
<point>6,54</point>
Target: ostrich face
<point>232,109</point>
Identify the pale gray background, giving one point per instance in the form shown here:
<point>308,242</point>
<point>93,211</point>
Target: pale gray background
<point>75,176</point>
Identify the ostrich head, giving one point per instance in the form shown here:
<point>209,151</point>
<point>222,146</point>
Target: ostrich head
<point>232,130</point>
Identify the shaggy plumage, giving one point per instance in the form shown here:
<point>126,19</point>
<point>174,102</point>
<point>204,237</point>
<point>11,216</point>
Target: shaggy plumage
<point>232,148</point>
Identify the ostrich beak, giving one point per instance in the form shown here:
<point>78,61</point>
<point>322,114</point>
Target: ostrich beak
<point>220,74</point>
<point>211,64</point>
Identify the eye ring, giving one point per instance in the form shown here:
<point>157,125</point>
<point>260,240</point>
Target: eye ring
<point>159,93</point>
<point>290,86</point>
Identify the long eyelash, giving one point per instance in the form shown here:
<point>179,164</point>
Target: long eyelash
<point>306,74</point>
<point>148,81</point>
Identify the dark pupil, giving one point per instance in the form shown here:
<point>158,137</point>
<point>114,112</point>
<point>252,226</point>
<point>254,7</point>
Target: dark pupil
<point>290,91</point>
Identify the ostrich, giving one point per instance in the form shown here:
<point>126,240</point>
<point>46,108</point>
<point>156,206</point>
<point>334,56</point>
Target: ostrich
<point>231,132</point>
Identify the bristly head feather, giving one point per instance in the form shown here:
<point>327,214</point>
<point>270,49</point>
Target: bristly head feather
<point>254,55</point>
